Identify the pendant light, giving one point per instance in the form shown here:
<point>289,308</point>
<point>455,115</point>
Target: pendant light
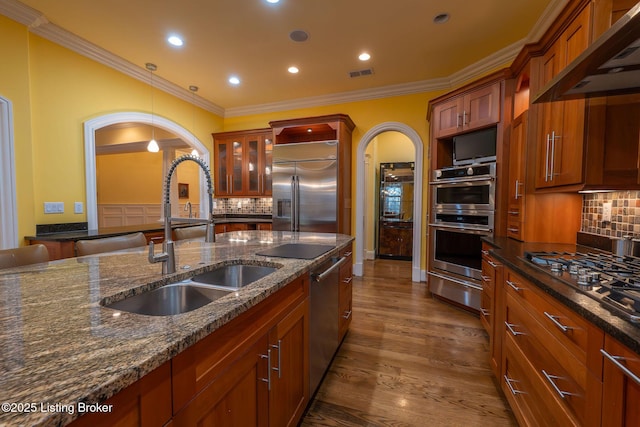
<point>153,145</point>
<point>193,90</point>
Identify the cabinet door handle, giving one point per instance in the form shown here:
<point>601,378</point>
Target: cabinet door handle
<point>510,327</point>
<point>551,379</point>
<point>484,252</point>
<point>508,381</point>
<point>268,379</point>
<point>464,118</point>
<point>485,278</point>
<point>347,279</point>
<point>347,314</point>
<point>513,229</point>
<point>458,125</point>
<point>485,312</point>
<point>279,348</point>
<point>518,184</point>
<point>556,322</point>
<point>492,264</point>
<point>616,362</point>
<point>347,254</point>
<point>546,160</point>
<point>514,286</point>
<point>513,213</point>
<point>553,154</point>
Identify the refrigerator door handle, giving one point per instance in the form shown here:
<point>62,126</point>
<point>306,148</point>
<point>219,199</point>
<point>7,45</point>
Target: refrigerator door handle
<point>293,203</point>
<point>297,202</point>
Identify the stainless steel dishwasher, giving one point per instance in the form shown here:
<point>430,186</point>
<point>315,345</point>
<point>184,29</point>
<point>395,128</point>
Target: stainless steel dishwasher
<point>323,319</point>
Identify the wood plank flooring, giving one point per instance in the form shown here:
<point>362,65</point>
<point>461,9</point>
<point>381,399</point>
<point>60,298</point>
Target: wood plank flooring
<point>408,360</point>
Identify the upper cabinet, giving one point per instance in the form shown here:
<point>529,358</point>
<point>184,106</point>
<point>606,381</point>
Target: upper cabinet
<point>561,137</point>
<point>242,161</point>
<point>475,109</point>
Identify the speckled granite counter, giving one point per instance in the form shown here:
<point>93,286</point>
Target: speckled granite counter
<point>60,346</point>
<point>510,253</point>
<point>71,233</point>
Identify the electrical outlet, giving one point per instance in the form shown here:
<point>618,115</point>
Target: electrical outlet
<point>78,208</point>
<point>606,212</point>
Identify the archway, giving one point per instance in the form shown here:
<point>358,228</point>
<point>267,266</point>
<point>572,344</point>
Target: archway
<point>416,273</point>
<point>90,128</point>
<point>8,204</point>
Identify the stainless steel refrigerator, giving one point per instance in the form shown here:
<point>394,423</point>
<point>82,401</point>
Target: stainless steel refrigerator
<point>305,180</point>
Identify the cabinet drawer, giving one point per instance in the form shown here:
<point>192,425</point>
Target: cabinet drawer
<point>532,404</point>
<point>566,379</point>
<point>514,229</point>
<point>581,338</point>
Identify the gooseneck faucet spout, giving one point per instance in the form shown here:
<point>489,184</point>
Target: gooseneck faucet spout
<point>167,257</point>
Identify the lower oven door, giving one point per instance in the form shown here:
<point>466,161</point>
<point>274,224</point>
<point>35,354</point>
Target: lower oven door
<point>456,263</point>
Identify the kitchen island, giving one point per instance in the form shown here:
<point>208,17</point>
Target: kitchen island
<point>60,346</point>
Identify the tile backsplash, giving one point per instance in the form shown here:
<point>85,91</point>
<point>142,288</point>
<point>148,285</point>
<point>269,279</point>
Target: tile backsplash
<point>625,213</point>
<point>260,206</point>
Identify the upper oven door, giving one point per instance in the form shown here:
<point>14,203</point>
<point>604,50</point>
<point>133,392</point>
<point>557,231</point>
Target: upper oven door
<point>468,194</point>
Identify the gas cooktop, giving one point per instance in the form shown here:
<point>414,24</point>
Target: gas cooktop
<point>612,280</point>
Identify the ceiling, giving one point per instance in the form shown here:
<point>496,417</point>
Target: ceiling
<point>250,39</point>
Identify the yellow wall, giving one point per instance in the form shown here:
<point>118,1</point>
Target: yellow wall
<point>15,87</point>
<point>129,178</point>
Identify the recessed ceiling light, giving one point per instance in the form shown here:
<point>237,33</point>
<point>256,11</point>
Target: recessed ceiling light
<point>364,56</point>
<point>441,18</point>
<point>234,80</point>
<point>175,41</point>
<point>293,70</point>
<point>273,1</point>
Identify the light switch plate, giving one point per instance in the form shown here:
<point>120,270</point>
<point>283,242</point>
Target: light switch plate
<point>53,207</point>
<point>606,212</point>
<point>78,208</point>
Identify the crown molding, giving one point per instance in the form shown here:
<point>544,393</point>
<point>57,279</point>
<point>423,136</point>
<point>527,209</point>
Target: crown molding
<point>39,25</point>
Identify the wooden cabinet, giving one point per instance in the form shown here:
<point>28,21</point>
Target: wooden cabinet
<point>242,162</point>
<point>395,240</point>
<point>337,127</point>
<point>473,110</point>
<point>517,176</point>
<point>252,371</point>
<point>552,355</point>
<point>147,402</point>
<point>560,140</point>
<point>491,303</point>
<point>345,296</point>
<point>621,385</point>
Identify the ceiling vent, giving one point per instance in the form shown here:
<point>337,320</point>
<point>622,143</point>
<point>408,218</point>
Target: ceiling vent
<point>361,73</point>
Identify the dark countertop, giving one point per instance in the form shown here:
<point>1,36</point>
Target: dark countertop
<point>64,236</point>
<point>510,252</point>
<point>61,346</point>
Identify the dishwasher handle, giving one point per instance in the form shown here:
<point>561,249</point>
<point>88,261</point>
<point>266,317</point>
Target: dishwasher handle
<point>319,277</point>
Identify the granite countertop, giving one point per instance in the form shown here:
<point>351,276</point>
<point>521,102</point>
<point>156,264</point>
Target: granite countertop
<point>69,232</point>
<point>510,253</point>
<point>60,346</point>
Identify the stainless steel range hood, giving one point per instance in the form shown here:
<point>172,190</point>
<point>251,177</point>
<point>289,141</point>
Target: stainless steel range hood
<point>610,66</point>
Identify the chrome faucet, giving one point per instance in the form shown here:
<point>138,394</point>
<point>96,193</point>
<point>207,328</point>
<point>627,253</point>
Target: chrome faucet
<point>187,207</point>
<point>167,257</point>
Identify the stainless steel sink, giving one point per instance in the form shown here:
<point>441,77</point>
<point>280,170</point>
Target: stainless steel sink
<point>233,277</point>
<point>170,299</point>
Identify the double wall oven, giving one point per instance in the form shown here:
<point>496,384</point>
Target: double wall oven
<point>463,208</point>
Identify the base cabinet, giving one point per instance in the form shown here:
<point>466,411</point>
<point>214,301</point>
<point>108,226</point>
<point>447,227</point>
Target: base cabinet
<point>621,385</point>
<point>491,314</point>
<point>345,301</point>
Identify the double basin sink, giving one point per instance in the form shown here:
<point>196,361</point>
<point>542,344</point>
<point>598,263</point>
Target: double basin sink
<point>193,293</point>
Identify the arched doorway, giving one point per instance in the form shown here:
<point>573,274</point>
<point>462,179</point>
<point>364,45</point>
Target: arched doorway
<point>92,125</point>
<point>8,204</point>
<point>416,273</point>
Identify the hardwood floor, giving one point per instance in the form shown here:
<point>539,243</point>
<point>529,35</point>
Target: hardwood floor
<point>408,360</point>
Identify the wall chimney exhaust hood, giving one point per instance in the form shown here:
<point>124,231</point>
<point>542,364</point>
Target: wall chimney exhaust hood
<point>609,66</point>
